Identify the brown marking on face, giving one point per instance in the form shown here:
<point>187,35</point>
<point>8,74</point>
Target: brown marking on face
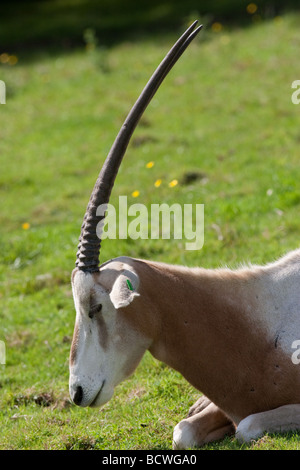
<point>101,326</point>
<point>102,331</point>
<point>74,345</point>
<point>73,274</point>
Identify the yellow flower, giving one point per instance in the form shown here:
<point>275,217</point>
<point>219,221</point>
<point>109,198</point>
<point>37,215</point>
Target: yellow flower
<point>252,8</point>
<point>25,226</point>
<point>135,193</point>
<point>8,59</point>
<point>13,59</point>
<point>173,183</point>
<point>157,183</point>
<point>150,165</point>
<point>216,27</point>
<point>4,58</point>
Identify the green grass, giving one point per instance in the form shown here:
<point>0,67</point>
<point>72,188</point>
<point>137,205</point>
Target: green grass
<point>226,112</point>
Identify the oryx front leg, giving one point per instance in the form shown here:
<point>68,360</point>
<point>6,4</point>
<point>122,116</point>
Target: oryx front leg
<point>207,425</point>
<point>199,405</point>
<point>283,419</point>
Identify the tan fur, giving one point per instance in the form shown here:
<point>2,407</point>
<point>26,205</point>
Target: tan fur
<point>206,324</point>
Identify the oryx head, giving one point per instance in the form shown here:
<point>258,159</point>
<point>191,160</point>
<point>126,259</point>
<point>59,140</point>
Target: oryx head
<point>105,349</point>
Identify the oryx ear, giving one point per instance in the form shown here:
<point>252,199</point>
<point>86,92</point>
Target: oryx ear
<point>124,289</point>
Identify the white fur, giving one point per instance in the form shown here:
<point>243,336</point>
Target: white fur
<point>183,436</point>
<point>284,418</point>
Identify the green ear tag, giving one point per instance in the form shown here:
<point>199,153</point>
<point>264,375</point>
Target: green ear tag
<point>129,284</point>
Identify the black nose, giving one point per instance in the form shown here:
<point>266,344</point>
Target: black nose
<point>77,399</point>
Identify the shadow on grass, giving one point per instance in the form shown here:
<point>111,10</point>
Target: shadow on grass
<point>53,26</point>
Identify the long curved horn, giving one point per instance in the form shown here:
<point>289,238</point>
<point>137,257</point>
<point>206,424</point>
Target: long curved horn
<point>89,243</point>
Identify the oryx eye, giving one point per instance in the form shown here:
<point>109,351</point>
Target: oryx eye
<point>95,309</point>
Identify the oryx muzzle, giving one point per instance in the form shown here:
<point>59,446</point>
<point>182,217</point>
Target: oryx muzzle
<point>89,242</point>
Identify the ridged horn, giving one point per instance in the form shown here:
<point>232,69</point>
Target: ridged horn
<point>89,243</point>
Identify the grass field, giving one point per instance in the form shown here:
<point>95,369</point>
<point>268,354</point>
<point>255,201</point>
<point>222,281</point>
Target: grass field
<point>225,113</point>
